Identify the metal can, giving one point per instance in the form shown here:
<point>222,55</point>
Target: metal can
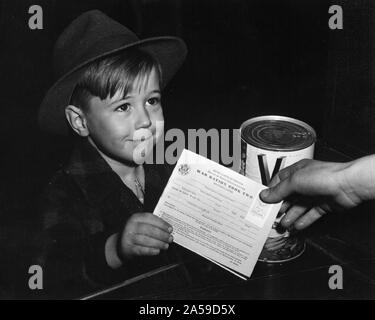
<point>269,144</point>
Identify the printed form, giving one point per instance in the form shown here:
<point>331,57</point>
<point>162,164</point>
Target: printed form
<point>217,213</point>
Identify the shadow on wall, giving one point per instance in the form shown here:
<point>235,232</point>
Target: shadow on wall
<point>349,125</point>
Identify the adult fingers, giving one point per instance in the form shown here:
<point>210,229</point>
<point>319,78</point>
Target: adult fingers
<point>275,180</point>
<point>309,218</point>
<point>287,172</point>
<point>279,192</point>
<point>294,212</point>
<point>274,243</point>
<point>285,207</point>
<point>283,184</point>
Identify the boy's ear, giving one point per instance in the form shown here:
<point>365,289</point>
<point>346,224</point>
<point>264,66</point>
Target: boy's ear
<point>77,120</point>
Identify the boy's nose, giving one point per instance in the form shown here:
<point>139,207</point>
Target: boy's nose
<point>143,118</point>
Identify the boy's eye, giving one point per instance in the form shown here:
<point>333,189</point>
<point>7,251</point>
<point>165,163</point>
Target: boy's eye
<point>153,101</point>
<point>123,108</point>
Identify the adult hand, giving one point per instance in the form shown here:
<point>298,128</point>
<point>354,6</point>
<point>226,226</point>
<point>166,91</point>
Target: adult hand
<point>313,188</point>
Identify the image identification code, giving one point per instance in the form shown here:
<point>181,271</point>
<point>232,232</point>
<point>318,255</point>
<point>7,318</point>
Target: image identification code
<point>194,309</point>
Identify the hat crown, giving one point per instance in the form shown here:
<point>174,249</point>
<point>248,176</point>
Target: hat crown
<point>92,36</point>
<point>87,37</point>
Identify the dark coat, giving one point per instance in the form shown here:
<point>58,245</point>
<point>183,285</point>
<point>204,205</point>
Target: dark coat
<point>84,204</point>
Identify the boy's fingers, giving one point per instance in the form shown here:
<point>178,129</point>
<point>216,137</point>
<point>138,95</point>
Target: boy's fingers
<point>150,218</point>
<point>145,241</point>
<point>146,251</point>
<point>153,232</point>
<point>292,215</point>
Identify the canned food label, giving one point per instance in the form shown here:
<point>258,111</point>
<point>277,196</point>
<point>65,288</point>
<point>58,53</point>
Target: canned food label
<point>262,165</point>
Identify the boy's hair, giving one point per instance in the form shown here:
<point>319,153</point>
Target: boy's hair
<point>105,77</point>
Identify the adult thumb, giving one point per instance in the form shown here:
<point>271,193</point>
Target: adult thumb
<point>277,193</point>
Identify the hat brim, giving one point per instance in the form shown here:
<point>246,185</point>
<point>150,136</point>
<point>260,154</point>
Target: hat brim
<point>170,52</point>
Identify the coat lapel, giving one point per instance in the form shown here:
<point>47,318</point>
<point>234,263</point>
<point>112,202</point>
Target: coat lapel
<point>103,189</point>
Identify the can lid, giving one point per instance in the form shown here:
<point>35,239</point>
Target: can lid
<point>277,133</point>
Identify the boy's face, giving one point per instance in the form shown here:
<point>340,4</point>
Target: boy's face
<point>117,125</point>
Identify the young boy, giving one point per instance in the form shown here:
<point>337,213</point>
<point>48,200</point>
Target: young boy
<point>97,210</point>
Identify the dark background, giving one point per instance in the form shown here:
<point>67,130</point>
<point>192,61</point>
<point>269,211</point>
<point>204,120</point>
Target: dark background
<point>246,58</point>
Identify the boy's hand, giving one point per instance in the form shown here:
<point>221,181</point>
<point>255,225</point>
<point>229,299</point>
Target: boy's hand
<point>144,235</point>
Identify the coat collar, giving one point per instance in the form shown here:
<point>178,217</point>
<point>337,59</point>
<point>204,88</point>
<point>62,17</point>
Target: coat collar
<point>98,181</point>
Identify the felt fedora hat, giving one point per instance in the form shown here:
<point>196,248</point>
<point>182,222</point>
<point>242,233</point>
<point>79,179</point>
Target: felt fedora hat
<point>91,36</point>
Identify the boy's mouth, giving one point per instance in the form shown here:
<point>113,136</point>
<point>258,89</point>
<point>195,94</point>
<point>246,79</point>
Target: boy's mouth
<point>142,135</point>
<point>142,139</point>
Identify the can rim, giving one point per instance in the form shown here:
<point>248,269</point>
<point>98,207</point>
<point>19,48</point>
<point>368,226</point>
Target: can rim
<point>280,118</point>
